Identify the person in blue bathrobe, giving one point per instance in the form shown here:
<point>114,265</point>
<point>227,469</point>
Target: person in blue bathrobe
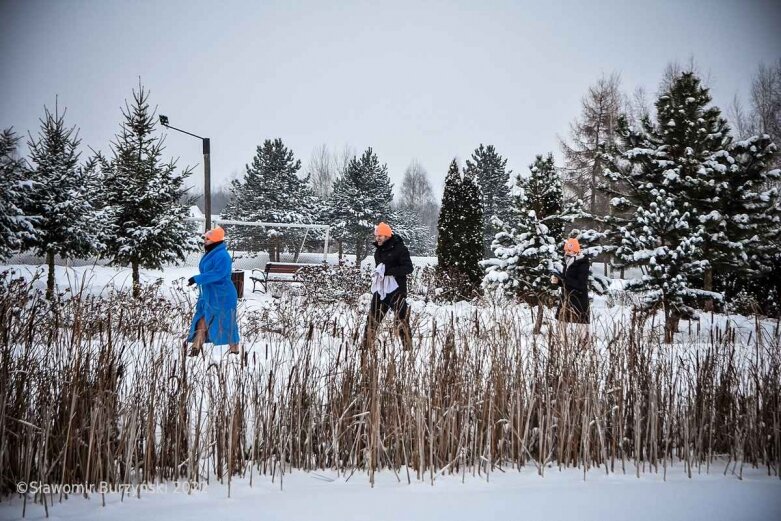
<point>215,311</point>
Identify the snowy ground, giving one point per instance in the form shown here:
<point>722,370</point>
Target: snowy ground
<point>511,495</point>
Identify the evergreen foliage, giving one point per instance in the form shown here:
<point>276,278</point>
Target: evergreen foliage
<point>58,199</point>
<point>460,230</point>
<point>144,219</point>
<point>489,170</point>
<point>361,198</point>
<point>16,228</point>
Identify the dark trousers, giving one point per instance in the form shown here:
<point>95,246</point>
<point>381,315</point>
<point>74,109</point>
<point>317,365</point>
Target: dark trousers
<point>397,302</point>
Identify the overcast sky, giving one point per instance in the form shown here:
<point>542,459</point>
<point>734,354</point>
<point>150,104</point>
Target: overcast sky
<point>414,80</point>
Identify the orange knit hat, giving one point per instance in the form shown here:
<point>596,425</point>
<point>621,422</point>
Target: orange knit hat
<point>216,234</point>
<point>572,246</point>
<point>383,229</point>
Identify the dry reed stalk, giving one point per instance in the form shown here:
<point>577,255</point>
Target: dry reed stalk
<point>96,388</point>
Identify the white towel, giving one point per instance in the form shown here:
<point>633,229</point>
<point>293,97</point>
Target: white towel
<point>382,284</point>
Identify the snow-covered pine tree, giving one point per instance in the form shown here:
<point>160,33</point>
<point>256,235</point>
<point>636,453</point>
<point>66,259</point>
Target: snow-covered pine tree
<point>63,214</point>
<point>95,170</point>
<point>667,243</point>
<point>145,221</point>
<point>654,173</point>
<point>361,198</point>
<point>696,145</point>
<point>460,226</point>
<point>746,214</point>
<point>16,228</point>
<point>524,257</point>
<point>528,245</point>
<point>544,195</point>
<point>490,172</point>
<point>271,191</point>
<point>724,183</point>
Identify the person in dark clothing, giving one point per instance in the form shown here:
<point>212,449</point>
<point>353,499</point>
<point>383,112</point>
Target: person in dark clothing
<point>389,285</point>
<point>574,306</point>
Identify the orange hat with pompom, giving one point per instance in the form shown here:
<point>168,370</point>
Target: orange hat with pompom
<point>383,229</point>
<point>572,246</point>
<point>216,234</point>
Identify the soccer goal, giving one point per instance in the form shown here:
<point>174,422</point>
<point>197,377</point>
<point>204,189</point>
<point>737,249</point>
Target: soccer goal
<point>253,244</point>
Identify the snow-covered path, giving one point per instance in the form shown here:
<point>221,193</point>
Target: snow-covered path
<point>511,495</point>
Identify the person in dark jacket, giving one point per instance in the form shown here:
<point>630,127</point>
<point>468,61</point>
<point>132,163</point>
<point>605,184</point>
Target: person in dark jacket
<point>389,285</point>
<point>574,306</point>
<point>215,312</point>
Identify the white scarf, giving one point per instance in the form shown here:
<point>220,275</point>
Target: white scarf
<point>382,284</point>
<point>569,259</point>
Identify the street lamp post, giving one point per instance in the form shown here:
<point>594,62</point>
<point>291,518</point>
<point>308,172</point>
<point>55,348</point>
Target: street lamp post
<point>207,185</point>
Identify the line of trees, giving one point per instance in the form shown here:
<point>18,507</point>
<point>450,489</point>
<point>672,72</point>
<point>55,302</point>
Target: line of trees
<point>674,195</point>
<point>671,190</point>
<point>126,207</point>
<point>349,192</point>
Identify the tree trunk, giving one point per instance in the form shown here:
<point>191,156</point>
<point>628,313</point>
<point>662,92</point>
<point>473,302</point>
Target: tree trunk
<point>595,169</point>
<point>341,250</point>
<point>671,320</point>
<point>538,320</point>
<point>609,256</point>
<point>708,286</point>
<point>708,282</point>
<point>136,279</point>
<point>50,278</point>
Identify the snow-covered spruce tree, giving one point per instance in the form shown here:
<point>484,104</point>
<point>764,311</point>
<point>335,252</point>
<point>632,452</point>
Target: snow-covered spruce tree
<point>460,237</point>
<point>489,170</point>
<point>545,196</point>
<point>542,191</point>
<point>144,219</point>
<point>655,227</point>
<point>696,142</point>
<point>95,170</point>
<point>361,198</point>
<point>16,228</point>
<point>724,184</point>
<point>271,191</point>
<point>667,243</point>
<point>739,205</point>
<point>528,245</point>
<point>58,200</point>
<point>746,213</point>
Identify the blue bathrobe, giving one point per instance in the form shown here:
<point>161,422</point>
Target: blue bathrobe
<point>218,299</point>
